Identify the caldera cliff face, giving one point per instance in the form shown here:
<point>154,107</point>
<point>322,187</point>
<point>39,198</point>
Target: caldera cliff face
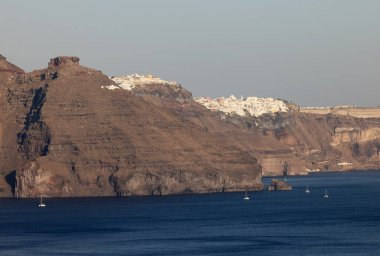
<point>63,133</point>
<point>305,139</point>
<point>69,130</point>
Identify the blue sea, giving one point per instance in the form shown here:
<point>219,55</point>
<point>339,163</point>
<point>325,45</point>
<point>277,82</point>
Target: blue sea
<point>271,223</point>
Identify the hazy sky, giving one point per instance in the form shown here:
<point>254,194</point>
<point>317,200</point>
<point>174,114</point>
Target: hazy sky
<point>313,52</point>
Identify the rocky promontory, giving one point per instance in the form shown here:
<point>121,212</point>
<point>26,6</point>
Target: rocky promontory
<point>305,139</point>
<point>64,133</point>
<point>70,130</point>
<point>277,185</point>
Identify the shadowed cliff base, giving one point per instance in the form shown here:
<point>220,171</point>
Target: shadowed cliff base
<point>11,181</point>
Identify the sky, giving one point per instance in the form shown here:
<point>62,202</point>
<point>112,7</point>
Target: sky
<point>313,53</point>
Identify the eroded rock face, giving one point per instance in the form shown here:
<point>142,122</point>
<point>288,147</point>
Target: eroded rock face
<point>314,142</point>
<point>66,135</point>
<point>179,182</point>
<point>7,67</point>
<point>8,70</point>
<point>34,138</point>
<point>277,185</point>
<point>167,92</point>
<point>63,133</point>
<point>33,180</point>
<point>63,60</point>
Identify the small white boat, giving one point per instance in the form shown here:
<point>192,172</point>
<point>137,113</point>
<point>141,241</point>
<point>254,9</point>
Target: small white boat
<point>41,203</point>
<point>307,190</point>
<point>326,195</point>
<point>246,197</point>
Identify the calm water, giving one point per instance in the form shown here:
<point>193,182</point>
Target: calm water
<point>271,223</point>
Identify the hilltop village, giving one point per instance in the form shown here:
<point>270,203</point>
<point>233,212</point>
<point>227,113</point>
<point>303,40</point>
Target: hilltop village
<point>241,106</point>
<point>251,105</point>
<point>129,82</point>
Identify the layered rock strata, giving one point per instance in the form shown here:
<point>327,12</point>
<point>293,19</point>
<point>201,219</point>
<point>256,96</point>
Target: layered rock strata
<point>313,142</point>
<point>69,130</point>
<point>63,133</point>
<point>277,185</point>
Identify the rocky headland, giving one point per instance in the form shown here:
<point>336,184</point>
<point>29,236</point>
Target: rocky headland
<point>278,185</point>
<point>65,133</point>
<point>69,130</point>
<point>311,139</point>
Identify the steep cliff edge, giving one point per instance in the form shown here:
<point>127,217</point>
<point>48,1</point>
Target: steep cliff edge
<point>7,67</point>
<point>69,130</point>
<point>314,142</point>
<point>8,70</point>
<point>65,134</point>
<point>299,140</point>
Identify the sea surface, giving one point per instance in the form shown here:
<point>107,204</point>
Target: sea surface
<point>271,223</point>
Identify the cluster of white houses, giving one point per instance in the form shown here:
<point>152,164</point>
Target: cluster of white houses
<point>131,81</point>
<point>243,106</point>
<point>251,105</point>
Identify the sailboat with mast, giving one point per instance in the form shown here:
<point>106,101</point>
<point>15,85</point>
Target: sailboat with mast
<point>246,197</point>
<point>307,190</point>
<point>326,195</point>
<point>41,203</point>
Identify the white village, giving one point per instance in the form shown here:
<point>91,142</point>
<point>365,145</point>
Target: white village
<point>242,106</point>
<point>129,82</point>
<point>232,105</point>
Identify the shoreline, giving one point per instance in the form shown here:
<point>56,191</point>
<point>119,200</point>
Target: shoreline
<point>324,171</point>
<point>196,193</point>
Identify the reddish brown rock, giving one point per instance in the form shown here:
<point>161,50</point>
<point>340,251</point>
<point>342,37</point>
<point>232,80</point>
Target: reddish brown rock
<point>65,135</point>
<point>279,185</point>
<point>63,60</point>
<point>8,67</point>
<point>8,70</point>
<point>313,142</point>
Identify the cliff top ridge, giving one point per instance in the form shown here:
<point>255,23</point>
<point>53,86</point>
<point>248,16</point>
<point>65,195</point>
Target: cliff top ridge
<point>63,60</point>
<point>6,66</point>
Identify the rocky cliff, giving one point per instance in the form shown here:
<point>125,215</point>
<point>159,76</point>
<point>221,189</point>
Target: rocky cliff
<point>314,142</point>
<point>7,70</point>
<point>63,133</point>
<point>69,130</point>
<point>289,138</point>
